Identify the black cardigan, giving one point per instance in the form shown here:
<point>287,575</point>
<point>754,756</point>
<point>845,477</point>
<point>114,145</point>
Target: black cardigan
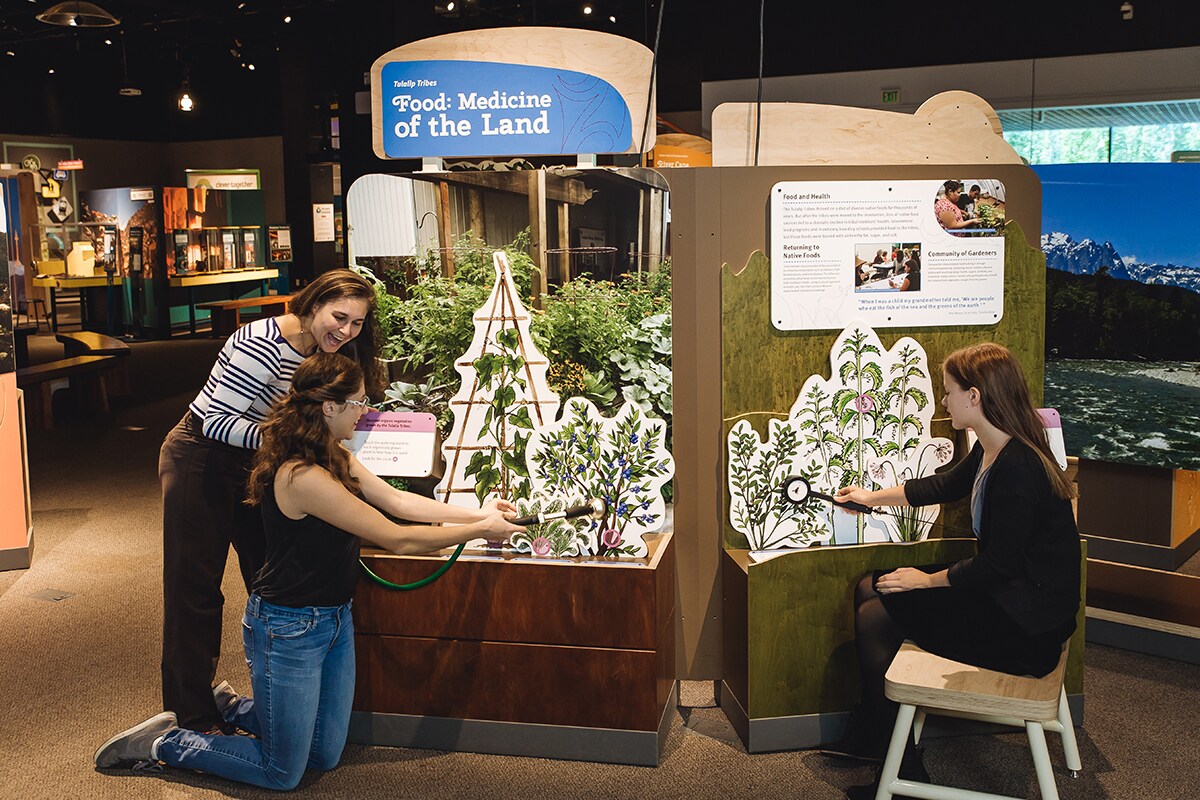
<point>1029,553</point>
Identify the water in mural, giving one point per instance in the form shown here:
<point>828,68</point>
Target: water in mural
<point>1123,310</point>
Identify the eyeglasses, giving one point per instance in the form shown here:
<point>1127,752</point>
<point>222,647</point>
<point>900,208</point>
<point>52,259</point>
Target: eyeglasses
<point>359,403</point>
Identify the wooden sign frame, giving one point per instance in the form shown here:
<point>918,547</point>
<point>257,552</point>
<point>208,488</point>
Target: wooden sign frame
<point>625,64</point>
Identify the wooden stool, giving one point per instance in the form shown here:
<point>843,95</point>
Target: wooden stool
<point>924,683</point>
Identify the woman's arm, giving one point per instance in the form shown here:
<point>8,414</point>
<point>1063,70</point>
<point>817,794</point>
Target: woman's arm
<point>945,487</point>
<point>949,220</point>
<point>891,496</point>
<point>312,490</point>
<point>406,505</point>
<point>250,365</point>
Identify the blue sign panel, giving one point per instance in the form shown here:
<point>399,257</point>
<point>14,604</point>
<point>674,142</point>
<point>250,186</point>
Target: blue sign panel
<point>472,108</point>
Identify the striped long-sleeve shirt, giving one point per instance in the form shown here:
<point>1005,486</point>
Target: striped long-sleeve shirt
<point>253,371</point>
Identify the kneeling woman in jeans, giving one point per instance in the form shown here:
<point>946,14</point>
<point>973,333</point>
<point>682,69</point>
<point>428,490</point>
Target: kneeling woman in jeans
<point>317,501</point>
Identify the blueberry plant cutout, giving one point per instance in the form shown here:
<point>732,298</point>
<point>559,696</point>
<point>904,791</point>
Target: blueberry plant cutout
<point>621,459</point>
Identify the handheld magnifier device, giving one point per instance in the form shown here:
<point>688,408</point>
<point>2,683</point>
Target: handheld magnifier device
<point>797,490</point>
<point>596,508</point>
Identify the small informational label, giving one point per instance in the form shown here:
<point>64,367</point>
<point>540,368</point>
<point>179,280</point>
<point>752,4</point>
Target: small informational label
<point>71,163</point>
<point>886,253</point>
<point>280,239</point>
<point>323,222</point>
<point>141,194</point>
<point>397,444</point>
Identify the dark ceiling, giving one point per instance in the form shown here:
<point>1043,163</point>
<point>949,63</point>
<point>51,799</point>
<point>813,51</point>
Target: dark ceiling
<point>318,58</point>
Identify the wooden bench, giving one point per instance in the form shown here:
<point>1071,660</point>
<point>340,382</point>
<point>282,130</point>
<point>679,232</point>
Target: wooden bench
<point>923,683</point>
<point>88,369</point>
<point>90,343</point>
<point>226,314</point>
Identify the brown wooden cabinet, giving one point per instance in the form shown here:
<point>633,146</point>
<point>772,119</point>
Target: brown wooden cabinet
<point>519,656</point>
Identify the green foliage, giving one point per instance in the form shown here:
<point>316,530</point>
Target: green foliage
<point>607,342</point>
<point>1097,316</point>
<point>387,306</point>
<point>619,333</point>
<point>422,397</point>
<point>502,467</point>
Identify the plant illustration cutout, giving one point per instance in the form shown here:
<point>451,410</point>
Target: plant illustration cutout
<point>502,397</point>
<point>621,459</point>
<point>865,426</point>
<point>558,538</point>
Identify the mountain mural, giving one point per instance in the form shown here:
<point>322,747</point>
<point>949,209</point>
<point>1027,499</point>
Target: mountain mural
<point>1088,258</point>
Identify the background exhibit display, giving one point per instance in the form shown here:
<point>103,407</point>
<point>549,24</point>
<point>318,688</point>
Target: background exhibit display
<point>820,279</point>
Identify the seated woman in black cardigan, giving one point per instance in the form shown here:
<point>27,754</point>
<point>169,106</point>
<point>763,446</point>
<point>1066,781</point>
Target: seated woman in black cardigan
<point>1009,608</point>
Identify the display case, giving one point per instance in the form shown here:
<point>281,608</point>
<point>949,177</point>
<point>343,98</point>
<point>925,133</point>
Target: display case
<point>75,249</point>
<point>251,254</point>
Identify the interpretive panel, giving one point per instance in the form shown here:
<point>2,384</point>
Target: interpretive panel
<point>399,444</point>
<point>887,253</point>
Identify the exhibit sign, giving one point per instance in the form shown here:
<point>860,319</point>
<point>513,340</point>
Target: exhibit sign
<point>518,91</point>
<point>323,228</point>
<point>475,108</point>
<point>886,253</point>
<point>235,179</point>
<point>399,444</point>
<point>279,237</point>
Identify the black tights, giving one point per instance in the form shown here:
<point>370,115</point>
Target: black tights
<point>877,639</point>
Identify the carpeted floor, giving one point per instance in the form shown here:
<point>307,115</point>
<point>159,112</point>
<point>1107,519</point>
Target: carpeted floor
<point>75,670</point>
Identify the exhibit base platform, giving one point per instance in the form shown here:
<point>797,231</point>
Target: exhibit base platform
<point>565,742</point>
<point>515,655</point>
<point>17,557</point>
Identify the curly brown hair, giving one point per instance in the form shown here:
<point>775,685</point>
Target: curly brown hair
<point>364,348</point>
<point>295,429</point>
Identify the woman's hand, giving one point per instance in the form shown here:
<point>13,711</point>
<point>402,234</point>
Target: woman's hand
<point>906,579</point>
<point>853,494</point>
<point>496,515</point>
<point>501,505</point>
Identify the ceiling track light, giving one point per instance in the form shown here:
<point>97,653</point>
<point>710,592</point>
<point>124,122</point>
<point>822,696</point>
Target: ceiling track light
<point>78,15</point>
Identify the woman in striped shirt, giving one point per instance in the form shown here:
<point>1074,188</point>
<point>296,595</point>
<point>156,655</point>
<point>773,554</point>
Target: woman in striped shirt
<point>205,461</point>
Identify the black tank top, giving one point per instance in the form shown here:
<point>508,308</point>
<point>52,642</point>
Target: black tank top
<point>308,561</point>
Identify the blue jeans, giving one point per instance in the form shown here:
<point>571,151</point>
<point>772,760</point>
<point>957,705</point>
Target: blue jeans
<point>302,675</point>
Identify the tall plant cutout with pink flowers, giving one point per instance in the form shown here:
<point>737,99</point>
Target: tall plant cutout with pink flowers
<point>503,397</point>
<point>867,425</point>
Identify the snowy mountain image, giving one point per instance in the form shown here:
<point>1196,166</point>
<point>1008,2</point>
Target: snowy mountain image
<point>1087,258</point>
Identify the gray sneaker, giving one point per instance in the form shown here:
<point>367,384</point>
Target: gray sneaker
<point>135,743</point>
<point>226,698</point>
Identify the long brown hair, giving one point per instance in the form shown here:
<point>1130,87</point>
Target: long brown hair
<point>295,429</point>
<point>994,372</point>
<point>364,348</point>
